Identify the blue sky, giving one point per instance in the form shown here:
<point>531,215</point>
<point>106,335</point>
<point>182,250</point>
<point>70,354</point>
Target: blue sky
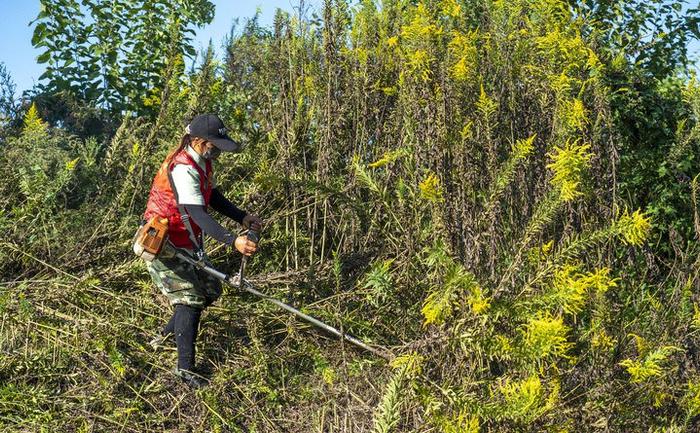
<point>19,56</point>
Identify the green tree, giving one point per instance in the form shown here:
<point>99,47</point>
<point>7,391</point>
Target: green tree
<point>114,53</point>
<point>654,35</point>
<point>9,105</point>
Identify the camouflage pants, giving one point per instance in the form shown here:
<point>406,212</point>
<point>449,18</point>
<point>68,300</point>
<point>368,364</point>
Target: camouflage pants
<point>182,283</point>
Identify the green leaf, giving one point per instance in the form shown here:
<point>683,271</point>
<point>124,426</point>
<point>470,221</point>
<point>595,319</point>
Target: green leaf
<point>39,34</point>
<point>43,57</point>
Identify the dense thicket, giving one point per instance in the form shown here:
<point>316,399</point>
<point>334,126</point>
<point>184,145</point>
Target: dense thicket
<point>495,191</point>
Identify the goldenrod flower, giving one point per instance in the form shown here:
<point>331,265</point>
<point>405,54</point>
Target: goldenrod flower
<point>410,363</point>
<point>32,121</point>
<point>648,366</point>
<point>463,48</point>
<point>451,8</point>
<point>421,26</point>
<point>430,188</point>
<point>633,228</point>
<point>546,335</point>
<point>569,163</point>
<point>419,64</point>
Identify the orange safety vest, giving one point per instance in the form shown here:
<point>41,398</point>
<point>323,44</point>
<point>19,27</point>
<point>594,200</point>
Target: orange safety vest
<point>162,200</point>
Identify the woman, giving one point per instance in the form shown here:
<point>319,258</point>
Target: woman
<point>182,191</point>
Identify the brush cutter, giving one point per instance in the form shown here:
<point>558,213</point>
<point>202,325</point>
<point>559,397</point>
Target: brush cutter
<point>240,282</point>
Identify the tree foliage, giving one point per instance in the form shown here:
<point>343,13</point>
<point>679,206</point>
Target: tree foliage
<point>653,35</point>
<point>114,54</point>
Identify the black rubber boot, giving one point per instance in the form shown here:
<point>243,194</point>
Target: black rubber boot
<point>191,379</point>
<point>186,326</point>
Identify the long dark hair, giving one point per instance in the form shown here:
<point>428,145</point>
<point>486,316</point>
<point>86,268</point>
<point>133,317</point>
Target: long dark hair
<point>184,142</point>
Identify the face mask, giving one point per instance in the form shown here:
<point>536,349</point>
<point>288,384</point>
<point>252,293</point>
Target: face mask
<point>212,153</point>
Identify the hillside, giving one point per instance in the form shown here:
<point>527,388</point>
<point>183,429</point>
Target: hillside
<point>497,193</point>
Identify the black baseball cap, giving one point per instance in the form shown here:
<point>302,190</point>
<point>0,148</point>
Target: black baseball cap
<point>211,128</point>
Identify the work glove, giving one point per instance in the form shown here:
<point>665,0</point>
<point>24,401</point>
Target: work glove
<point>245,245</point>
<point>253,222</point>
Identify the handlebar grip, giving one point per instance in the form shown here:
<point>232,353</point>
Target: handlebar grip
<point>252,235</point>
